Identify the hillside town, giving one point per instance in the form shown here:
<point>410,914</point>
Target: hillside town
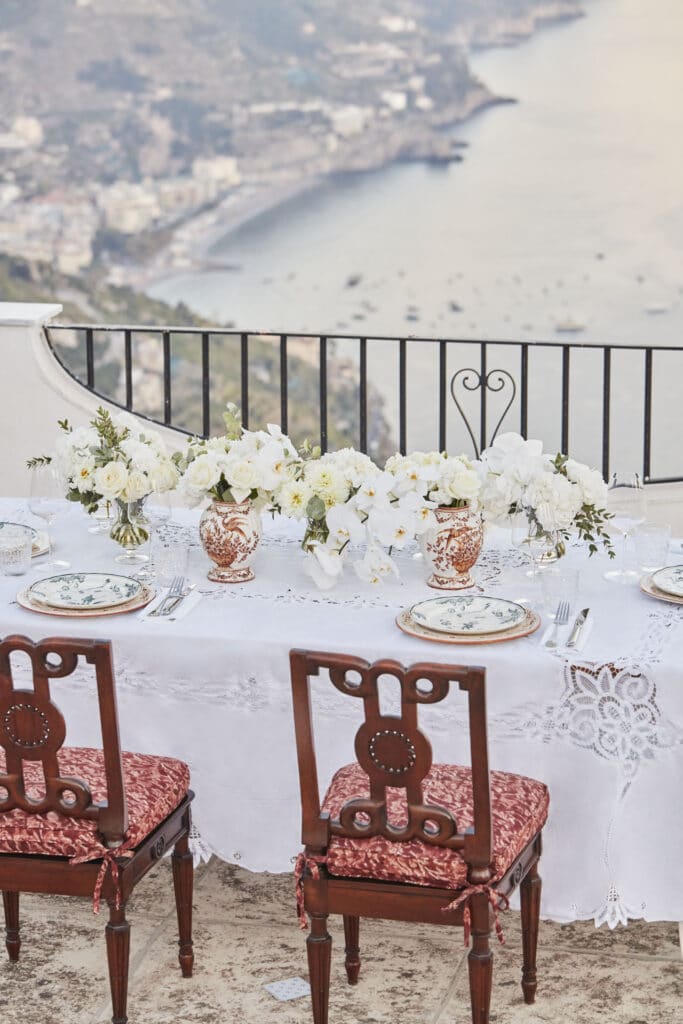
<point>151,150</point>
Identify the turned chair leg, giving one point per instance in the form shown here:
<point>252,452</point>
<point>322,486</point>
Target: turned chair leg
<point>352,962</point>
<point>319,949</point>
<point>12,940</point>
<point>183,879</point>
<point>530,894</point>
<point>118,952</point>
<point>480,959</point>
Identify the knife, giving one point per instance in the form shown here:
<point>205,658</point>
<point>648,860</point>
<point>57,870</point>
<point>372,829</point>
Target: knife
<point>577,627</point>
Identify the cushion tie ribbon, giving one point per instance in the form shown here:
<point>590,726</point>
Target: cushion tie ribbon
<point>497,900</point>
<point>311,862</point>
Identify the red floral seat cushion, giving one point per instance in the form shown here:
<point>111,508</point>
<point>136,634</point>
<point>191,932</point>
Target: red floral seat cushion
<point>154,787</point>
<point>519,808</point>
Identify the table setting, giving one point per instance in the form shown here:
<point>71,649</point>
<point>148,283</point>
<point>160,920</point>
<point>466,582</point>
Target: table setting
<point>334,553</point>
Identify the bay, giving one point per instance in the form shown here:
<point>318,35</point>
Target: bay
<point>566,210</point>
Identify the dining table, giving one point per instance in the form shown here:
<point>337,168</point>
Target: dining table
<point>601,724</point>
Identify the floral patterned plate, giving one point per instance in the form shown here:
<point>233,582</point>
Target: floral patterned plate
<point>462,615</point>
<point>528,625</point>
<point>146,595</point>
<point>79,590</point>
<point>670,580</point>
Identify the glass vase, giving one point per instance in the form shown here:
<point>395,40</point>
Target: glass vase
<point>130,529</point>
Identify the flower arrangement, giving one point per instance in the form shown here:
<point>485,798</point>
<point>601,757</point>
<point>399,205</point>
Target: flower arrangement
<point>347,500</point>
<point>240,465</point>
<point>115,458</point>
<point>441,480</point>
<point>557,494</point>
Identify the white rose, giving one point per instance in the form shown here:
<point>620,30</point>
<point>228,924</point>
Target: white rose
<point>461,484</point>
<point>243,477</point>
<point>201,475</point>
<point>137,487</point>
<point>111,480</point>
<point>163,477</point>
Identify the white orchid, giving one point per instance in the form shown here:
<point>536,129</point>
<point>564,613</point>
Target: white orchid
<point>323,565</point>
<point>375,566</point>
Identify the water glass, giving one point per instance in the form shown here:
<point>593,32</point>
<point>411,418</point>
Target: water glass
<point>16,545</point>
<point>169,560</point>
<point>652,546</point>
<point>559,585</point>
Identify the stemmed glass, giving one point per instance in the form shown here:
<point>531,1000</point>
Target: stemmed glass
<point>46,501</point>
<point>626,503</point>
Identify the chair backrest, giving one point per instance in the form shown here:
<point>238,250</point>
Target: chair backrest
<point>32,728</point>
<point>393,752</point>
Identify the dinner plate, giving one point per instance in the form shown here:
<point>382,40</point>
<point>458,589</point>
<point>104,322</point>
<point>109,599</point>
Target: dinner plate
<point>528,625</point>
<point>670,580</point>
<point>146,595</point>
<point>649,588</point>
<point>467,615</point>
<point>79,590</point>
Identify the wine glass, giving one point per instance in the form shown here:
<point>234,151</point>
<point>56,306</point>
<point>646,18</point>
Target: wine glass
<point>626,505</point>
<point>518,524</point>
<point>46,501</point>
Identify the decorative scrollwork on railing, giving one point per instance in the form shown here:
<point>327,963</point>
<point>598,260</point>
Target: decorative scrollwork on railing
<point>494,381</point>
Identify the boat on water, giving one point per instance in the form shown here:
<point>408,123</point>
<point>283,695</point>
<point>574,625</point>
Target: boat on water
<point>569,325</point>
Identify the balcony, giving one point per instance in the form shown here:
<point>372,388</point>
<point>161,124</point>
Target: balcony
<point>612,406</point>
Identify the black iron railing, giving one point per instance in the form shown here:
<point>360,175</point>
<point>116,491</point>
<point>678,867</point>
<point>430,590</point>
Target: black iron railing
<point>579,393</point>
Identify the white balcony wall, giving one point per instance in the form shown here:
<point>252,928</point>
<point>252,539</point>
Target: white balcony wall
<point>35,392</point>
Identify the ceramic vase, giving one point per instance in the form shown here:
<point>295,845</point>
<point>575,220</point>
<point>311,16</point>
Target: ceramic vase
<point>452,546</point>
<point>230,533</point>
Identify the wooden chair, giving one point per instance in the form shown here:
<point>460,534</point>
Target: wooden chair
<point>116,813</point>
<point>397,837</point>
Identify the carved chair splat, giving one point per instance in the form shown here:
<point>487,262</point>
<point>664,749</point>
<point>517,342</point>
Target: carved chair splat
<point>111,828</point>
<point>378,808</point>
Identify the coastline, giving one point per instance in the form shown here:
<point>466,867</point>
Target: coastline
<point>417,139</point>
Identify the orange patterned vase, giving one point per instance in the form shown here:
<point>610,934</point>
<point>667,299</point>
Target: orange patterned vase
<point>452,547</point>
<point>230,533</point>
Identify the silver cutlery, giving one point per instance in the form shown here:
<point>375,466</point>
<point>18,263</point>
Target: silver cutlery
<point>175,590</point>
<point>577,627</point>
<point>177,601</point>
<point>561,619</point>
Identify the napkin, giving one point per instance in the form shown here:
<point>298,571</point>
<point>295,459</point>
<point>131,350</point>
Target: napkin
<point>563,635</point>
<point>179,612</point>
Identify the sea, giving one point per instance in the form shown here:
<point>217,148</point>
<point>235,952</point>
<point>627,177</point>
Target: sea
<point>566,212</point>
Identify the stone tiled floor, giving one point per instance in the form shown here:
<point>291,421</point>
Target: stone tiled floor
<point>246,935</point>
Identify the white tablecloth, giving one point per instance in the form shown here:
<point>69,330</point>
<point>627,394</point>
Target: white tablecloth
<point>603,729</point>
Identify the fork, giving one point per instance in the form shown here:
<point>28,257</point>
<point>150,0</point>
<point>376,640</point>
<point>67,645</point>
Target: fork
<point>561,619</point>
<point>175,590</point>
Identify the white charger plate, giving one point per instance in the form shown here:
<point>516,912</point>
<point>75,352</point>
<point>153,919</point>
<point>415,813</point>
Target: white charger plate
<point>670,580</point>
<point>81,590</point>
<point>467,615</point>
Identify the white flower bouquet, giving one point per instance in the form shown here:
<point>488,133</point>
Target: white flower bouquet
<point>441,481</point>
<point>557,494</point>
<point>116,458</point>
<point>239,465</point>
<point>347,500</point>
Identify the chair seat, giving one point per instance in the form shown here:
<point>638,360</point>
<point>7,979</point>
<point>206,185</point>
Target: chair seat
<point>154,787</point>
<point>519,808</point>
